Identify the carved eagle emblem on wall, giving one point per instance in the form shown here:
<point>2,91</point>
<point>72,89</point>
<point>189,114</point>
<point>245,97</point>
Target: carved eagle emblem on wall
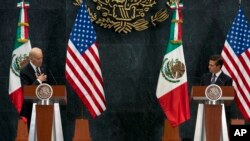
<point>125,15</point>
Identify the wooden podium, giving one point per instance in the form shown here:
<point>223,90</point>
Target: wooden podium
<point>45,122</point>
<point>59,93</point>
<point>211,122</point>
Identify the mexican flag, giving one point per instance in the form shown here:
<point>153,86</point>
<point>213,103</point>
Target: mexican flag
<point>172,88</point>
<point>20,57</point>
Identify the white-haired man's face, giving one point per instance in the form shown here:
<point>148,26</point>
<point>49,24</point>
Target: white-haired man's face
<point>36,57</point>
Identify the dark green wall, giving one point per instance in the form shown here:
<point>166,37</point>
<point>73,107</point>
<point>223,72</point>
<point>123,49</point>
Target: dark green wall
<point>130,64</point>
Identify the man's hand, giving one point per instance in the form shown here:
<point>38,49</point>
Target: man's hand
<point>42,77</point>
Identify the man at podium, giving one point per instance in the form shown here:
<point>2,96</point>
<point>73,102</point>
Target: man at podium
<point>34,73</point>
<point>217,76</point>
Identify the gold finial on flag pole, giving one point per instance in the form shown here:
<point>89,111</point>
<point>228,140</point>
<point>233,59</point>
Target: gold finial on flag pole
<point>176,2</point>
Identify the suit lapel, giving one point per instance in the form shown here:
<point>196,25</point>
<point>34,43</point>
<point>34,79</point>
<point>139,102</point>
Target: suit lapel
<point>220,79</point>
<point>209,79</point>
<point>32,72</point>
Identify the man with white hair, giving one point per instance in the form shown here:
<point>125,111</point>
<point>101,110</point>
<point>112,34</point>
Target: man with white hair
<point>32,74</point>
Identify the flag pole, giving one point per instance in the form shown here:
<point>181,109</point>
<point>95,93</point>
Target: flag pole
<point>82,115</point>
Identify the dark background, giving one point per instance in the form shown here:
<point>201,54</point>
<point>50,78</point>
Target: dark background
<point>130,64</point>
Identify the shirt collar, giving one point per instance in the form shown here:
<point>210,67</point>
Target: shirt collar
<point>218,73</point>
<point>33,66</point>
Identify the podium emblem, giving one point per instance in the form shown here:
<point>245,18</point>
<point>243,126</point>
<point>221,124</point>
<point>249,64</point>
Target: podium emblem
<point>44,91</point>
<point>213,92</point>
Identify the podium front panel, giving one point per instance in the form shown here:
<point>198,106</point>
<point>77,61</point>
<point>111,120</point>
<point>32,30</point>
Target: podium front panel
<point>59,93</point>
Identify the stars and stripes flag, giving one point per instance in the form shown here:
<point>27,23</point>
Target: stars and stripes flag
<point>236,55</point>
<point>20,57</point>
<point>83,70</point>
<point>172,87</point>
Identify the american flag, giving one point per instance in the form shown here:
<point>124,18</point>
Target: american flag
<point>236,55</point>
<point>83,70</point>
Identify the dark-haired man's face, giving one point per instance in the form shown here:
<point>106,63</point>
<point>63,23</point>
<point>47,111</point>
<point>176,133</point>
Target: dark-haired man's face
<point>213,68</point>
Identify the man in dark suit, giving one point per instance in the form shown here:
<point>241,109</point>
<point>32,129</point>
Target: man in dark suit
<point>32,74</point>
<point>216,75</point>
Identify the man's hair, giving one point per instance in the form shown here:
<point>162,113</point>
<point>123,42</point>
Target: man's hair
<point>218,59</point>
<point>34,51</point>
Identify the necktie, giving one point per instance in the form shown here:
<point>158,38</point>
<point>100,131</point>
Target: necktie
<point>38,71</point>
<point>213,79</point>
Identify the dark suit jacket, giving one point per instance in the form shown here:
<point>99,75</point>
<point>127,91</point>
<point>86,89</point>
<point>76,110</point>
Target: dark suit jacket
<point>222,80</point>
<point>28,77</point>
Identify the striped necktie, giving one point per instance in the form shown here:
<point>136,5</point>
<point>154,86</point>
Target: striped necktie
<point>213,79</point>
<point>38,71</point>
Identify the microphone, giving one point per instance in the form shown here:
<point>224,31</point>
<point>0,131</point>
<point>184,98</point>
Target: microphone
<point>53,76</point>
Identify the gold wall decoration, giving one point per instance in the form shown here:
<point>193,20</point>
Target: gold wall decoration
<point>125,15</point>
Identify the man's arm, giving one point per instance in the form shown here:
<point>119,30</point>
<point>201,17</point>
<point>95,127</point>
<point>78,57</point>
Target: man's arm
<point>27,80</point>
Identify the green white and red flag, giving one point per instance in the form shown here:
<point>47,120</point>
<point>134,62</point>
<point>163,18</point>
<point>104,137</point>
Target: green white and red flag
<point>172,88</point>
<point>20,57</point>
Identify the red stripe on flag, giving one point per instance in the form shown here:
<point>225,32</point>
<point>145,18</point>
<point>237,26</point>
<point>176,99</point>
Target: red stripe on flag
<point>26,32</point>
<point>97,74</point>
<point>236,49</point>
<point>245,65</point>
<point>80,95</point>
<point>241,108</point>
<point>86,87</point>
<point>248,53</point>
<point>236,67</point>
<point>96,56</point>
<point>91,50</point>
<point>175,105</point>
<point>179,25</point>
<point>230,71</point>
<point>86,58</point>
<point>17,99</point>
<point>83,83</point>
<point>240,90</point>
<point>89,77</point>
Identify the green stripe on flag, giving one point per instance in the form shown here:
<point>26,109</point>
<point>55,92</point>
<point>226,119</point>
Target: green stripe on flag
<point>172,46</point>
<point>18,35</point>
